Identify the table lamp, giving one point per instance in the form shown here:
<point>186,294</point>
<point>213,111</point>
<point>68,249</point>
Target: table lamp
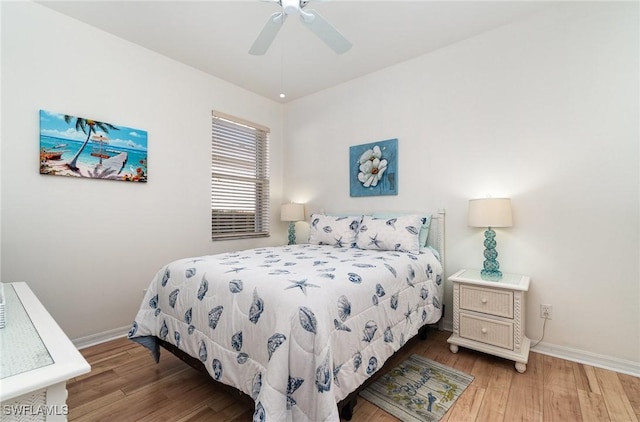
<point>292,213</point>
<point>489,213</point>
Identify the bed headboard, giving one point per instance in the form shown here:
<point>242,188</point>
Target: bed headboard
<point>436,234</point>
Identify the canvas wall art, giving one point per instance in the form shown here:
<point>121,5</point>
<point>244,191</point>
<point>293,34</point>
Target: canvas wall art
<point>373,168</point>
<point>80,147</point>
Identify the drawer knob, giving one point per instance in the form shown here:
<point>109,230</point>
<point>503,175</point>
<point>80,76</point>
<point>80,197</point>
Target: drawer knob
<point>483,300</point>
<point>484,331</point>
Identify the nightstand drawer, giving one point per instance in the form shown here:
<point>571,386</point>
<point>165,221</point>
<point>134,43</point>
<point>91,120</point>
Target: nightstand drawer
<point>497,302</point>
<point>497,333</point>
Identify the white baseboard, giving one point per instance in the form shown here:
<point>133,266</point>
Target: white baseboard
<point>600,361</point>
<point>93,339</point>
<point>580,356</point>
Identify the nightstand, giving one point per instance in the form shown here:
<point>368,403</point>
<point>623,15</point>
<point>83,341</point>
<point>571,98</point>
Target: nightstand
<point>489,316</point>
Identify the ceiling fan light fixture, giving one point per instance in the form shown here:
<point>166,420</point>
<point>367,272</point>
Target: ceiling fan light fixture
<point>311,19</point>
<point>291,6</point>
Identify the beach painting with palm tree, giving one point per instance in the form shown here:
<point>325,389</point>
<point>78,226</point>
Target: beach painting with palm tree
<point>80,147</point>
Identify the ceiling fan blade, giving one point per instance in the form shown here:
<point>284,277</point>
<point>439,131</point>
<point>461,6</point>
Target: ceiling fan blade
<point>268,34</point>
<point>325,31</point>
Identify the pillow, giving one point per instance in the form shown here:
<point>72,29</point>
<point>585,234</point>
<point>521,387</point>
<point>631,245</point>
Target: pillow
<point>390,234</point>
<point>339,231</point>
<point>424,228</point>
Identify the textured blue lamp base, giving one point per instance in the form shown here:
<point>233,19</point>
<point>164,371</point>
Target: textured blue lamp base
<point>491,269</point>
<point>292,233</point>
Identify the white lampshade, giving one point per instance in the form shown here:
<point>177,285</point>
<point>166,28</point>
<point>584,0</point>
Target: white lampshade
<point>292,212</point>
<point>490,212</point>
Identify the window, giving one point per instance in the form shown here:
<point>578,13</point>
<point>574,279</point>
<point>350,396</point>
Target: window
<point>239,178</point>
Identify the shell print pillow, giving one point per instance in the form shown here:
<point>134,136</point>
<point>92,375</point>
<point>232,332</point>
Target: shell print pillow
<point>390,234</point>
<point>338,231</point>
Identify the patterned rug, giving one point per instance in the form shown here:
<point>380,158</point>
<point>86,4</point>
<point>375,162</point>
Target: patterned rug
<point>418,390</point>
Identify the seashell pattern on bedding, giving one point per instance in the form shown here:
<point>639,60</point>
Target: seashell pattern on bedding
<point>297,328</point>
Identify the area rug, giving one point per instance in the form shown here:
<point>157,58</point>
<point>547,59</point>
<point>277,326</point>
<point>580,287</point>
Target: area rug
<point>417,390</point>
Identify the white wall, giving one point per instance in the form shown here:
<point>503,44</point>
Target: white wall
<point>544,111</point>
<point>89,247</point>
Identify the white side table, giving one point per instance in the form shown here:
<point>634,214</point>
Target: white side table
<point>489,316</point>
<point>36,360</point>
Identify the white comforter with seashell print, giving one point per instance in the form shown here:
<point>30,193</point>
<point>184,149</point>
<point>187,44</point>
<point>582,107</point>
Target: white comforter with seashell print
<point>298,327</point>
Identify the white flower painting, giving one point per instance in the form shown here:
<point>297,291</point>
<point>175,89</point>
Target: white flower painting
<point>374,168</point>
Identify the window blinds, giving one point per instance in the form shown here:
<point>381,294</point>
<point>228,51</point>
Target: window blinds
<point>239,178</point>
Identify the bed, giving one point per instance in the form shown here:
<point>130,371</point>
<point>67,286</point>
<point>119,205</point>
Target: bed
<point>300,328</point>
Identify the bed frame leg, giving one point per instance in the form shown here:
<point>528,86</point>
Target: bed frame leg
<point>347,410</point>
<point>423,332</point>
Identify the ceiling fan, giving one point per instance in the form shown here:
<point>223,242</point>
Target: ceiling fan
<point>310,18</point>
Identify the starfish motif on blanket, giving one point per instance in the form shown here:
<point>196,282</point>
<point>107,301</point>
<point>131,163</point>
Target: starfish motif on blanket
<point>375,241</point>
<point>302,285</point>
<point>407,314</point>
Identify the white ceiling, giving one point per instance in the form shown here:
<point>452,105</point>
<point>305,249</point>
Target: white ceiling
<point>215,36</point>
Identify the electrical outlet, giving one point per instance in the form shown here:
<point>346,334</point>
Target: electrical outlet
<point>546,311</point>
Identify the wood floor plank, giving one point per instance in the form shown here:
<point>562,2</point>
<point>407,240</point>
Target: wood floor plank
<point>365,409</point>
<point>247,416</point>
<point>106,362</point>
<point>581,378</point>
<point>592,407</point>
<point>93,389</point>
<point>560,394</point>
<point>467,407</point>
<point>235,410</point>
<point>201,414</point>
<point>526,393</point>
<point>631,386</point>
<point>482,368</point>
<point>129,409</point>
<point>125,384</point>
<point>108,348</point>
<point>494,402</point>
<point>559,375</point>
<point>139,377</point>
<point>464,361</point>
<point>592,380</point>
<point>91,407</point>
<point>617,403</point>
<point>183,404</point>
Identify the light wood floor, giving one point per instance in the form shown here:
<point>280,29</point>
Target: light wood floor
<point>125,384</point>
